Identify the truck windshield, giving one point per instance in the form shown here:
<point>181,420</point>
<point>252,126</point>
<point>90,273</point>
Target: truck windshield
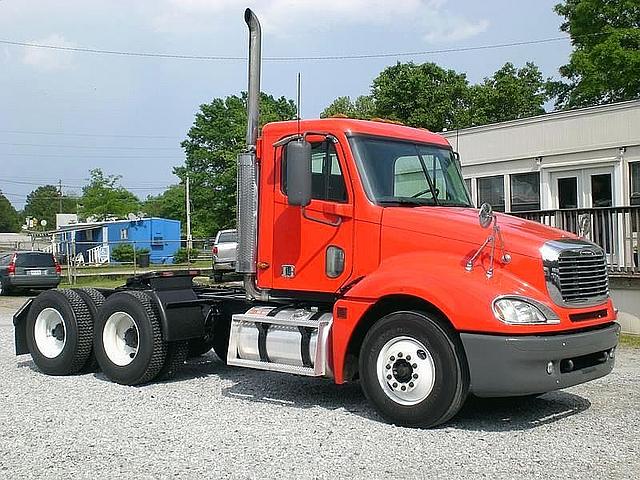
<point>396,172</point>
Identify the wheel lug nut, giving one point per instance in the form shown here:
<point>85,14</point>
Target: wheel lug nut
<point>389,377</point>
<point>408,358</point>
<point>395,385</point>
<point>411,384</point>
<point>415,375</point>
<point>415,365</point>
<point>399,354</point>
<point>403,388</point>
<point>388,367</point>
<point>392,358</point>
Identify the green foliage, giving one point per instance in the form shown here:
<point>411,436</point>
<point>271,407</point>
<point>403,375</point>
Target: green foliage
<point>44,202</point>
<point>509,94</point>
<point>123,253</point>
<point>211,148</point>
<point>423,95</point>
<point>103,197</point>
<point>169,204</point>
<point>604,65</point>
<point>363,107</point>
<point>184,255</point>
<point>9,218</point>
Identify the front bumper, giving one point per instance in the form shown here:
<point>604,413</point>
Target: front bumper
<point>511,366</point>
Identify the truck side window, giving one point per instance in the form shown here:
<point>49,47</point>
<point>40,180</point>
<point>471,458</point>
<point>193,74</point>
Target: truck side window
<point>327,181</point>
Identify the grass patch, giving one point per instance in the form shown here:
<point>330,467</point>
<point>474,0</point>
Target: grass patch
<point>629,340</point>
<point>95,282</point>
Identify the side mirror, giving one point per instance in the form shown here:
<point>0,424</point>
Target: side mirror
<point>485,215</point>
<point>298,155</point>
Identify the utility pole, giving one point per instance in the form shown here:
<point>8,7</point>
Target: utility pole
<point>188,200</point>
<point>60,195</point>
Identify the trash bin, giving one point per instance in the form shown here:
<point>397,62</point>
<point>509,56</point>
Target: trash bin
<point>143,259</point>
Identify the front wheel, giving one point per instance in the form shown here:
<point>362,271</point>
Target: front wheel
<point>413,370</point>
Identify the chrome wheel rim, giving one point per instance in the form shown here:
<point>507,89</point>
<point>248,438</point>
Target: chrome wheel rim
<point>120,338</point>
<point>50,332</point>
<point>406,371</point>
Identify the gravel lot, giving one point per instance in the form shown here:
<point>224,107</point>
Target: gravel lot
<point>224,422</point>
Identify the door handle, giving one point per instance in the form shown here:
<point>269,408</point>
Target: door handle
<point>335,223</point>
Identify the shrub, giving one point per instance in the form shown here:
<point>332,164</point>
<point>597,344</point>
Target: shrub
<point>183,255</point>
<point>123,253</point>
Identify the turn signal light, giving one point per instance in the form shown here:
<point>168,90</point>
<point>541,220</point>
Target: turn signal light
<point>58,268</point>
<point>11,269</point>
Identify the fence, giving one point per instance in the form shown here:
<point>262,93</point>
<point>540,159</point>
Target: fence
<point>615,229</point>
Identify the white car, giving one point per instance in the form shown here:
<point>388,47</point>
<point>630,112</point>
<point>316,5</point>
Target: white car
<point>224,253</point>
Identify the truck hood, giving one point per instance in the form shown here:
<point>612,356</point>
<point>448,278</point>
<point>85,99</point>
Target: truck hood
<point>461,224</point>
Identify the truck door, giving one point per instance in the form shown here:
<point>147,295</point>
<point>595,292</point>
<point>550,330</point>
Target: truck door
<point>312,246</point>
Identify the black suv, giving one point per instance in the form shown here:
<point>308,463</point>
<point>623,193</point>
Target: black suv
<point>28,270</point>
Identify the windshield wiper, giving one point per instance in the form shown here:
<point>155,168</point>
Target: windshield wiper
<point>411,202</point>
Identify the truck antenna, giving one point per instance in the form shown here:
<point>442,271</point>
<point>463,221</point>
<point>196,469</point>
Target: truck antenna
<point>298,106</point>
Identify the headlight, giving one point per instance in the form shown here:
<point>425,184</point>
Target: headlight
<point>523,311</point>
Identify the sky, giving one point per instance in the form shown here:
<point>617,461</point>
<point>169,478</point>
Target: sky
<point>63,113</point>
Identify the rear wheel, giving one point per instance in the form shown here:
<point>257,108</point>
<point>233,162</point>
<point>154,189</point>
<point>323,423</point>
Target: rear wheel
<point>413,370</point>
<point>59,332</point>
<point>128,340</point>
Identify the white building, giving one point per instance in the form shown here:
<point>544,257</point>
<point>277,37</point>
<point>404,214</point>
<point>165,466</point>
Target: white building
<point>572,159</point>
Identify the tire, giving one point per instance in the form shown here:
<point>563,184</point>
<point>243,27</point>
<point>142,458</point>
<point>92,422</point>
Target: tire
<point>3,289</point>
<point>218,277</point>
<point>221,332</point>
<point>94,300</point>
<point>59,332</point>
<point>134,352</point>
<point>429,378</point>
<point>199,346</point>
<point>176,356</point>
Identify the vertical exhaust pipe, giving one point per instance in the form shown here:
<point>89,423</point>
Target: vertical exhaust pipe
<point>247,192</point>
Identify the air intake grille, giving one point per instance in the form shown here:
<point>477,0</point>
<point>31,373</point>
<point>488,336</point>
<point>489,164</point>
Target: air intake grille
<point>582,276</point>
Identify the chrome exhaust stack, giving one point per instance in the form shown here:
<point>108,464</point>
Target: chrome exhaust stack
<point>247,192</point>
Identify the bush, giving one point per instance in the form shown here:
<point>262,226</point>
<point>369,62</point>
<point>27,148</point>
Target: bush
<point>123,253</point>
<point>183,255</point>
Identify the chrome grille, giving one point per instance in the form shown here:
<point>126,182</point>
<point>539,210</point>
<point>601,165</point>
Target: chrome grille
<point>582,277</point>
<point>575,272</point>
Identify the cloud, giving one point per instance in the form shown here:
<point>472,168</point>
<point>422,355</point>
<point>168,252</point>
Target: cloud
<point>49,59</point>
<point>287,18</point>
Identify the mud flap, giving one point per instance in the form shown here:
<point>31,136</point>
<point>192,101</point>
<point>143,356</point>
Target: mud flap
<point>20,327</point>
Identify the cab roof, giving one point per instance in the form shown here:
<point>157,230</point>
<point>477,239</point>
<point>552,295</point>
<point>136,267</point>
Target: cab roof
<point>352,126</point>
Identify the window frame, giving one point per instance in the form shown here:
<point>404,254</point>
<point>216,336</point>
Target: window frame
<point>327,165</point>
<point>504,191</point>
<point>511,189</point>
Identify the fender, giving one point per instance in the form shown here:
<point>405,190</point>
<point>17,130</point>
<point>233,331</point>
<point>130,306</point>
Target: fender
<point>20,328</point>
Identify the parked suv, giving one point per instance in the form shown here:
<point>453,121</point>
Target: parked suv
<point>28,270</point>
<point>224,253</point>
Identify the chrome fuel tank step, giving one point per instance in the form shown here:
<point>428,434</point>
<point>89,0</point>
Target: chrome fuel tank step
<point>281,339</point>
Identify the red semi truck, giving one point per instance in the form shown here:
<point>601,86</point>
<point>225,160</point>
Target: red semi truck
<point>363,259</point>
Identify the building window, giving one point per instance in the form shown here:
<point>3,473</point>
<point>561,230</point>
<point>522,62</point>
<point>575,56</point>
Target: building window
<point>124,234</point>
<point>467,182</point>
<point>525,192</point>
<point>491,191</point>
<point>634,171</point>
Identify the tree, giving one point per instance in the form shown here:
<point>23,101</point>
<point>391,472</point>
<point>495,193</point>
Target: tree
<point>604,65</point>
<point>423,95</point>
<point>363,107</point>
<point>509,94</point>
<point>169,204</point>
<point>44,202</point>
<point>9,219</point>
<point>103,197</point>
<point>212,145</point>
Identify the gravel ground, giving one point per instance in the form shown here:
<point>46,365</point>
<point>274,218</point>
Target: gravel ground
<point>224,422</point>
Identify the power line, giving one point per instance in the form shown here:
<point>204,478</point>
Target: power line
<point>99,147</point>
<point>62,155</point>
<point>295,58</point>
<point>25,132</point>
<point>40,184</point>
